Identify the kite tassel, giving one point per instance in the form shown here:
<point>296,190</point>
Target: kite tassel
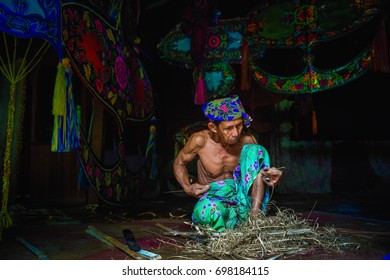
<point>65,127</point>
<point>314,123</point>
<point>200,93</point>
<point>59,107</point>
<point>245,76</point>
<point>152,147</point>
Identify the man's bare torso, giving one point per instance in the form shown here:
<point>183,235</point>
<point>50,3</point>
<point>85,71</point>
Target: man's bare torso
<point>216,161</point>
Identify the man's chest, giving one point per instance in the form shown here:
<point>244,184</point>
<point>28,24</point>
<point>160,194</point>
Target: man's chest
<point>219,160</point>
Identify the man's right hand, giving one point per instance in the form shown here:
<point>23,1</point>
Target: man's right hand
<point>197,190</point>
<point>271,176</point>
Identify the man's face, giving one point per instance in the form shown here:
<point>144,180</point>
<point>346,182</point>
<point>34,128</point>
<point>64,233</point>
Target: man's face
<point>230,131</point>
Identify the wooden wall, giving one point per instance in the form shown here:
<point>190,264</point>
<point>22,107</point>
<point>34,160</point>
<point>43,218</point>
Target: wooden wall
<point>53,176</point>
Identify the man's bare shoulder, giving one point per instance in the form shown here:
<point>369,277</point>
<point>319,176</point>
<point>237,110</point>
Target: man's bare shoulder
<point>248,138</point>
<point>199,138</point>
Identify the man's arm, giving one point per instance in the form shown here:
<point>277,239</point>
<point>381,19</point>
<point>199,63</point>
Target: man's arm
<point>271,176</point>
<point>185,156</point>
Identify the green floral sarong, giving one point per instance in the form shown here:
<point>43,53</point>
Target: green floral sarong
<point>228,202</point>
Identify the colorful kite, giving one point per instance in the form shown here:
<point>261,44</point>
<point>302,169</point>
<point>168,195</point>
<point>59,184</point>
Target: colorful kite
<point>33,18</point>
<point>223,48</point>
<point>112,72</point>
<point>305,26</point>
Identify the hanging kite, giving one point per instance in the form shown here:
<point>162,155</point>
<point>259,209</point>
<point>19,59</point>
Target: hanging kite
<point>33,18</point>
<point>307,29</point>
<point>110,69</point>
<point>209,46</point>
<point>275,34</point>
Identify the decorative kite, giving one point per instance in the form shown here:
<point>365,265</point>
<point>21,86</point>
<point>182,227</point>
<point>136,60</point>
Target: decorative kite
<point>223,47</point>
<point>109,68</point>
<point>300,26</point>
<point>306,25</point>
<point>33,18</point>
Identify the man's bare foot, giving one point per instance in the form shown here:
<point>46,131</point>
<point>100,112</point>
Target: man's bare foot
<point>254,212</point>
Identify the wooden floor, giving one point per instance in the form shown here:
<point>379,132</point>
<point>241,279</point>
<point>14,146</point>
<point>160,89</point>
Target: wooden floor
<point>62,233</point>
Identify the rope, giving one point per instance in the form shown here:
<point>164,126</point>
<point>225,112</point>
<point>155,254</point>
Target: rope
<point>13,77</point>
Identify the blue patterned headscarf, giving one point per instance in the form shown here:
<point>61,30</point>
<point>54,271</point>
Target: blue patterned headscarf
<point>226,109</point>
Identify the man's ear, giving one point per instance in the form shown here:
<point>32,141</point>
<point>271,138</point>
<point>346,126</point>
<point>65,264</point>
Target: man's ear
<point>212,127</point>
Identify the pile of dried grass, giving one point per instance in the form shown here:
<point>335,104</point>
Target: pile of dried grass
<point>280,235</point>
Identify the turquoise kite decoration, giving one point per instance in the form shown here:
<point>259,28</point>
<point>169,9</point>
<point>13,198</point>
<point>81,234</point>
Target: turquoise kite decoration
<point>223,48</point>
<point>224,43</point>
<point>33,18</point>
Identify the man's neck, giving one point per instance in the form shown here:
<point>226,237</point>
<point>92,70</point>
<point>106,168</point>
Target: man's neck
<point>218,140</point>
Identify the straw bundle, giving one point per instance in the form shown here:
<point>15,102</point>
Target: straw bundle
<point>280,235</point>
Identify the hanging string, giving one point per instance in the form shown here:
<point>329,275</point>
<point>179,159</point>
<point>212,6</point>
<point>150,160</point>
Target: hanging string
<point>5,219</point>
<point>13,77</point>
